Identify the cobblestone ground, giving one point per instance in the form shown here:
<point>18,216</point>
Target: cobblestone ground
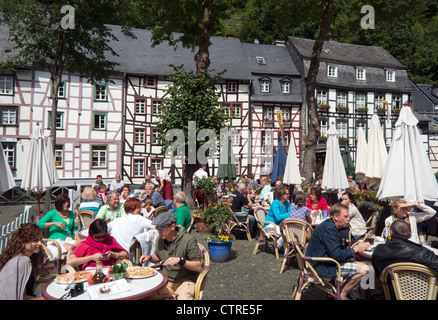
<point>252,277</point>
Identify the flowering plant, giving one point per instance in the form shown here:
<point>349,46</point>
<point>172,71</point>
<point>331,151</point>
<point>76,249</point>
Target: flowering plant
<point>225,237</point>
<point>324,106</point>
<point>268,119</point>
<point>367,200</point>
<point>217,216</point>
<point>286,120</point>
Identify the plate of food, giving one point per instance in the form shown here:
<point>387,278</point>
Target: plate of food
<point>140,272</point>
<point>79,276</point>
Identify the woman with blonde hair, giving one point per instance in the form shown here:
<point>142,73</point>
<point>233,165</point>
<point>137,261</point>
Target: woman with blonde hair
<point>407,211</point>
<point>90,200</point>
<point>266,187</point>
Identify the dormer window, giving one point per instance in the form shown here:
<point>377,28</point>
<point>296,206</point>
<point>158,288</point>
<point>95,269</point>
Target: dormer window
<point>260,60</point>
<point>361,73</point>
<point>285,85</point>
<point>332,71</point>
<point>264,85</point>
<point>390,76</point>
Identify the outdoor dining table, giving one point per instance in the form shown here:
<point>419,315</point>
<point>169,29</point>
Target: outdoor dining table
<point>139,289</point>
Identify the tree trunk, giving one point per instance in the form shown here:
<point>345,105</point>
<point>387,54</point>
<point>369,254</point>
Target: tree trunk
<point>188,188</point>
<point>202,57</point>
<point>314,129</point>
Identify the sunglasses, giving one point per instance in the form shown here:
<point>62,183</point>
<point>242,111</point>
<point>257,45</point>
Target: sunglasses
<point>162,228</point>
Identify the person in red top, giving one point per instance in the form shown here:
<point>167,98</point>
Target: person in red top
<point>165,187</point>
<point>98,246</point>
<point>316,201</point>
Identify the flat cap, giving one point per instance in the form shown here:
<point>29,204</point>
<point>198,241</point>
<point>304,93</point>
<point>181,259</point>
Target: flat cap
<point>164,219</point>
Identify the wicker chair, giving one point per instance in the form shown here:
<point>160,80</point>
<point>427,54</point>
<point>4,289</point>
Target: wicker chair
<point>49,258</point>
<point>86,217</point>
<point>236,225</point>
<point>265,236</point>
<point>371,226</point>
<point>290,228</point>
<point>135,252</point>
<point>309,276</point>
<point>409,281</point>
<point>202,277</point>
<point>158,211</point>
<point>192,224</point>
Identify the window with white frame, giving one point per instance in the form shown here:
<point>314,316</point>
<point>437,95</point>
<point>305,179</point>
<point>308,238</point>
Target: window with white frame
<point>236,109</point>
<point>341,99</point>
<point>332,71</point>
<point>361,100</point>
<point>8,116</point>
<point>266,165</point>
<point>139,136</point>
<point>100,92</point>
<point>156,104</point>
<point>265,85</point>
<point>9,150</point>
<point>268,113</point>
<point>156,136</point>
<point>235,137</point>
<point>6,84</point>
<point>396,101</point>
<point>62,90</point>
<point>390,76</point>
<point>100,120</point>
<point>286,113</point>
<point>285,87</point>
<point>342,127</point>
<point>324,126</point>
<point>379,100</point>
<point>361,73</point>
<point>231,86</point>
<point>99,156</point>
<point>321,96</point>
<point>139,168</point>
<point>226,107</point>
<point>140,106</point>
<point>267,141</point>
<point>157,163</point>
<point>59,155</point>
<point>59,120</point>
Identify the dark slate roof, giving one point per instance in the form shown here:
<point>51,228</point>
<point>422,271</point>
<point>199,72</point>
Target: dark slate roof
<point>350,54</point>
<point>424,100</point>
<point>6,46</point>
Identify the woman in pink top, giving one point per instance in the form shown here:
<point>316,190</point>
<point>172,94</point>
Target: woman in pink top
<point>316,201</point>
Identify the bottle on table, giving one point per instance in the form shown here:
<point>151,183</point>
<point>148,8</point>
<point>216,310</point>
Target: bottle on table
<point>99,276</point>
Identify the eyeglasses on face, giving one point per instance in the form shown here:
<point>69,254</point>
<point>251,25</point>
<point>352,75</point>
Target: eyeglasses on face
<point>163,228</point>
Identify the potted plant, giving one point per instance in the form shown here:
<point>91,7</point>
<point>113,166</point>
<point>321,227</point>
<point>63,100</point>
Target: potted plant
<point>208,186</point>
<point>381,110</point>
<point>268,121</point>
<point>217,217</point>
<point>342,109</point>
<point>396,110</point>
<point>343,140</point>
<point>322,139</point>
<point>323,107</point>
<point>362,110</point>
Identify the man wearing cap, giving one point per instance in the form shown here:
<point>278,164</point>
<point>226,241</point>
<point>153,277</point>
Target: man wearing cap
<point>180,255</point>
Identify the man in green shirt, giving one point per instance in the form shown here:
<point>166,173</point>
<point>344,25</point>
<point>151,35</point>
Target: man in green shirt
<point>113,209</point>
<point>183,217</point>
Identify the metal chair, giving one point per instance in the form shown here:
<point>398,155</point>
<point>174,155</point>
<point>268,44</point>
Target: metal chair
<point>310,278</point>
<point>290,228</point>
<point>409,281</point>
<point>202,277</point>
<point>265,236</point>
<point>371,226</point>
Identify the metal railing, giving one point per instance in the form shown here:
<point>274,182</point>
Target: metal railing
<point>7,229</point>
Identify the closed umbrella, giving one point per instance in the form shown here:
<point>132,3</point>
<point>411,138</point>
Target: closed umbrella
<point>279,163</point>
<point>292,170</point>
<point>377,154</point>
<point>361,156</point>
<point>408,173</point>
<point>334,177</point>
<point>348,162</point>
<point>36,177</point>
<point>7,181</point>
<point>50,156</point>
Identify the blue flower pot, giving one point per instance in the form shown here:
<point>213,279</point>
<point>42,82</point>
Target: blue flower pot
<point>219,251</point>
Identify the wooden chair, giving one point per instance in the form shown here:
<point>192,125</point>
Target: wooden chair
<point>158,211</point>
<point>202,277</point>
<point>86,217</point>
<point>309,277</point>
<point>135,252</point>
<point>409,281</point>
<point>237,225</point>
<point>371,226</point>
<point>290,228</point>
<point>265,236</point>
<point>59,259</point>
<point>192,224</point>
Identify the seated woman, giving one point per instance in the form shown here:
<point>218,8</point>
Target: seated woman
<point>278,211</point>
<point>316,201</point>
<point>402,210</point>
<point>125,193</point>
<point>90,200</point>
<point>21,262</point>
<point>299,210</point>
<point>266,188</point>
<point>356,219</point>
<point>61,225</point>
<point>98,246</point>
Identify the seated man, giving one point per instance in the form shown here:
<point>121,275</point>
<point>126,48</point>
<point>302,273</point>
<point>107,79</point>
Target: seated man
<point>182,213</point>
<point>113,209</point>
<point>401,249</point>
<point>326,241</point>
<point>181,257</point>
<point>240,201</point>
<point>156,197</point>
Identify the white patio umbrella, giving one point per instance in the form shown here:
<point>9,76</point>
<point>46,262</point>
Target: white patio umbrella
<point>377,154</point>
<point>408,173</point>
<point>334,177</point>
<point>292,170</point>
<point>50,156</point>
<point>36,177</point>
<point>7,181</point>
<point>361,155</point>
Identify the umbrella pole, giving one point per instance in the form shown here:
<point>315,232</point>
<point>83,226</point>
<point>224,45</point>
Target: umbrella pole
<point>38,205</point>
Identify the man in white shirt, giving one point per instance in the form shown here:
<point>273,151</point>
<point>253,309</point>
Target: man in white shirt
<point>117,183</point>
<point>200,173</point>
